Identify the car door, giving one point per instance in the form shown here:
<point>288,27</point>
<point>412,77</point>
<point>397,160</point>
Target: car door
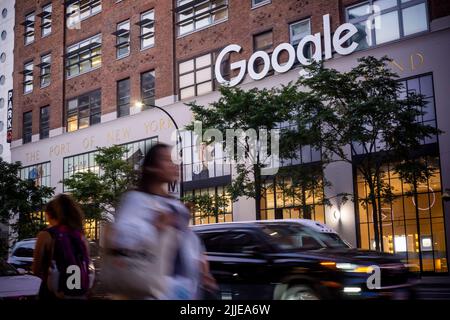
<point>239,264</point>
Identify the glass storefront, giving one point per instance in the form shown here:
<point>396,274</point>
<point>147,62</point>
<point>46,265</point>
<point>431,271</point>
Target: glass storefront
<point>415,231</point>
<point>279,201</point>
<point>223,214</point>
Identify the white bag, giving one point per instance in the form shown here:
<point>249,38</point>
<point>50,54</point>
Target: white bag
<point>144,275</point>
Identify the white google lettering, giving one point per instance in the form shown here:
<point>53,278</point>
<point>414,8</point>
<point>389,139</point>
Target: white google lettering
<point>341,36</point>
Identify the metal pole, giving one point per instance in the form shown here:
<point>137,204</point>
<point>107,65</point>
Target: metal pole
<point>181,145</point>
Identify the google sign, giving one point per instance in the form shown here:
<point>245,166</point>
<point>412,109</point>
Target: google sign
<point>341,36</point>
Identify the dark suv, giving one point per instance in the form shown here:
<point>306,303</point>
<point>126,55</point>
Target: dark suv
<point>293,261</point>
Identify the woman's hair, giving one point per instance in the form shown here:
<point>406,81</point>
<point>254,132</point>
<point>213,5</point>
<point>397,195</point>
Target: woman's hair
<point>66,211</point>
<point>151,161</point>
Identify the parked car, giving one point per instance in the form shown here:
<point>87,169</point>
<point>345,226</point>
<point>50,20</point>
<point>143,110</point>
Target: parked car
<point>23,251</point>
<point>298,260</point>
<point>22,254</point>
<point>16,284</point>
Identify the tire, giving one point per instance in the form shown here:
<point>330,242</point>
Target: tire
<point>299,292</point>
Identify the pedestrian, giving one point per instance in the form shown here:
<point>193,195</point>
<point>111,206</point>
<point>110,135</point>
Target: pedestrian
<point>151,253</point>
<point>61,256</point>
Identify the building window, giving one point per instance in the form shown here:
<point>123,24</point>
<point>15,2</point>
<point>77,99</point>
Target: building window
<point>202,162</point>
<point>44,123</point>
<point>263,42</point>
<point>84,56</point>
<point>135,153</point>
<point>148,89</point>
<point>221,214</point>
<point>27,127</point>
<point>83,9</point>
<point>258,3</point>
<point>45,66</point>
<point>196,76</point>
<point>29,28</point>
<point>83,111</point>
<point>381,21</point>
<point>422,85</point>
<point>123,97</point>
<point>123,39</point>
<point>28,77</point>
<point>414,237</point>
<point>302,203</point>
<point>147,25</point>
<point>193,15</point>
<point>46,20</point>
<point>40,174</point>
<point>299,30</point>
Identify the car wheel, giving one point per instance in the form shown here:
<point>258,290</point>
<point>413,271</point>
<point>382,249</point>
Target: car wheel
<point>299,292</point>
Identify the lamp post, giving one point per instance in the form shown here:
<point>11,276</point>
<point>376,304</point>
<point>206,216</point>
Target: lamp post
<point>140,105</point>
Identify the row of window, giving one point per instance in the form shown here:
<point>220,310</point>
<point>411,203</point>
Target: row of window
<point>44,73</point>
<point>85,110</point>
<point>378,21</point>
<point>44,124</point>
<point>30,23</point>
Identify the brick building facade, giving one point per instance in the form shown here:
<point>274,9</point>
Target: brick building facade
<point>163,52</point>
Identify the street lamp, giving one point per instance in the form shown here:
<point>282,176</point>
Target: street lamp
<point>140,105</point>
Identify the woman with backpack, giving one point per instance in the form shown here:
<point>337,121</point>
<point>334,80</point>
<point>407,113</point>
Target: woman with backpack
<point>61,256</point>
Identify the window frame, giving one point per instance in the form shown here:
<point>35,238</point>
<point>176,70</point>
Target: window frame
<point>151,71</point>
<point>43,67</point>
<point>119,35</point>
<point>192,5</point>
<point>27,128</point>
<point>213,81</point>
<point>29,24</point>
<point>399,8</point>
<point>28,73</point>
<point>71,3</point>
<point>146,25</point>
<point>119,105</point>
<point>46,15</point>
<point>44,124</point>
<point>78,51</point>
<point>88,107</point>
<point>261,4</point>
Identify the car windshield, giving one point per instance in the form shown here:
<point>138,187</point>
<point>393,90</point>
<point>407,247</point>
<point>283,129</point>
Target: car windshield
<point>7,269</point>
<point>296,237</point>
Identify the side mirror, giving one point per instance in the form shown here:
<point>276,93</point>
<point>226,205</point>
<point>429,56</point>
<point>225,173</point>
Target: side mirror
<point>21,271</point>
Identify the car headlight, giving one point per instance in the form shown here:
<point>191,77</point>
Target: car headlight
<point>347,267</point>
<point>350,267</point>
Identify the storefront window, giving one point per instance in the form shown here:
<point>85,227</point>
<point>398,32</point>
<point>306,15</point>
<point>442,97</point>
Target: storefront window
<point>86,162</point>
<point>222,214</point>
<point>279,201</point>
<point>412,229</point>
<point>202,161</point>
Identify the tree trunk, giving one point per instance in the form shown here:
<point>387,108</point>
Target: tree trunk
<point>257,175</point>
<point>416,201</point>
<point>380,215</point>
<point>373,199</point>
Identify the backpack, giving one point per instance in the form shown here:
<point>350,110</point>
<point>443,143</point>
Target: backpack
<point>68,274</point>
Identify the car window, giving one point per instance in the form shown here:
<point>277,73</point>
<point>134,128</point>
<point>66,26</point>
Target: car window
<point>296,237</point>
<point>7,270</point>
<point>24,252</point>
<point>229,242</point>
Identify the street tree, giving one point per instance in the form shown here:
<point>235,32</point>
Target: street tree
<point>361,118</point>
<point>240,110</point>
<point>206,205</point>
<point>99,194</point>
<point>21,201</point>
